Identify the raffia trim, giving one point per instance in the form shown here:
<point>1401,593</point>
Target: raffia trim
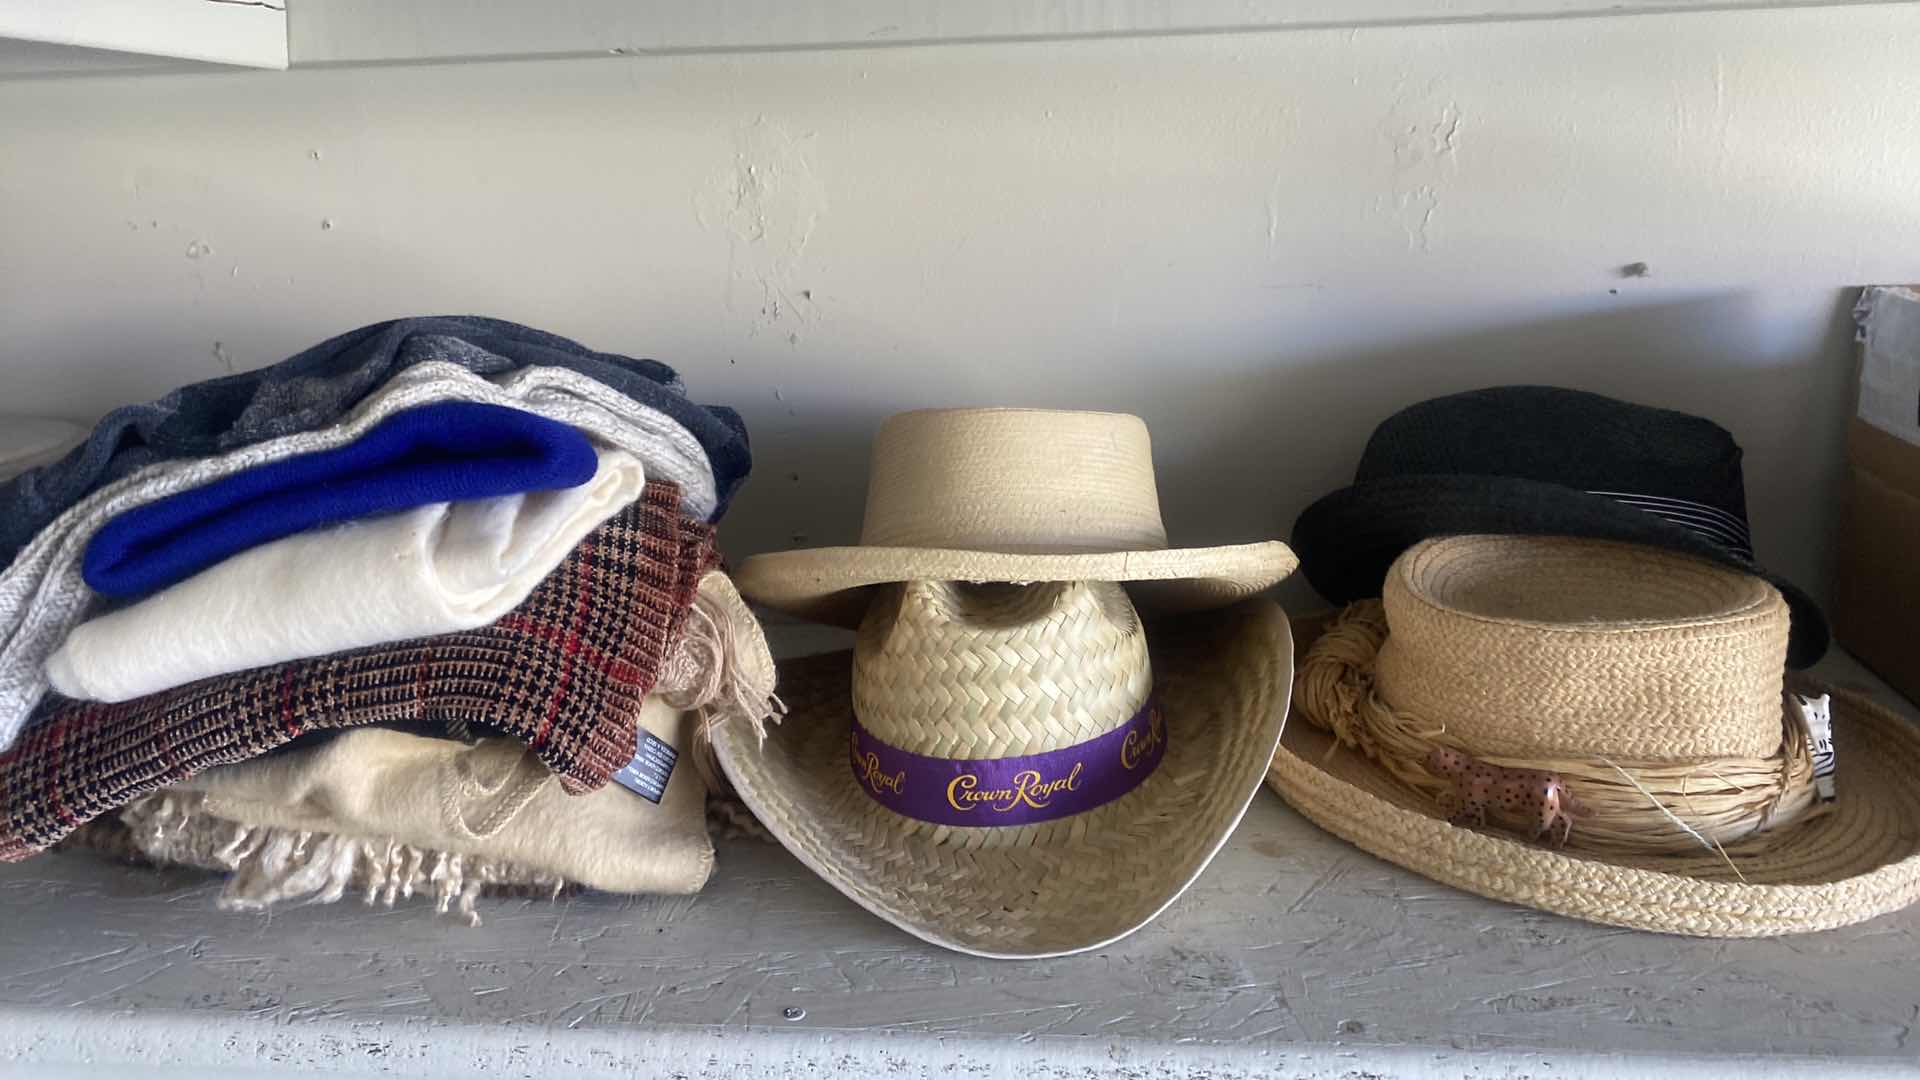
<point>1620,807</point>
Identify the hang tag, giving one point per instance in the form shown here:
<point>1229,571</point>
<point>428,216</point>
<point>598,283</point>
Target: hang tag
<point>652,766</point>
<point>1817,713</point>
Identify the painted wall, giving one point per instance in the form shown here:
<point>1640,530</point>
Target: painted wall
<point>1263,243</point>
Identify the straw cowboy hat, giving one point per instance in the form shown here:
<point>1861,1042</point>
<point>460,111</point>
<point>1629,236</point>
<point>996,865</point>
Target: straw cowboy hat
<point>1599,729</point>
<point>1012,495</point>
<point>1007,739</point>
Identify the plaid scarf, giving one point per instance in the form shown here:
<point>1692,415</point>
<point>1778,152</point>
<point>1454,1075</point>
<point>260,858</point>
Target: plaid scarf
<point>565,673</point>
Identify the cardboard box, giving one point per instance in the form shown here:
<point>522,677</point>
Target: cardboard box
<point>1876,609</point>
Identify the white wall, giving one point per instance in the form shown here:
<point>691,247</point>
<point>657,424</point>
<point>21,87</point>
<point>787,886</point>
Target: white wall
<point>1263,243</point>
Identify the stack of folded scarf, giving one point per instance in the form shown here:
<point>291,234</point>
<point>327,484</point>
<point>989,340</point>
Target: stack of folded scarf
<point>387,616</point>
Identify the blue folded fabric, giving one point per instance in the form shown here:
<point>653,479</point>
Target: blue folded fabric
<point>435,453</point>
<point>316,387</point>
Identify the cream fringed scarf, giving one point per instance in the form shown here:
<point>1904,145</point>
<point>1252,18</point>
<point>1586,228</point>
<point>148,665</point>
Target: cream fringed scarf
<point>269,865</point>
<point>389,815</point>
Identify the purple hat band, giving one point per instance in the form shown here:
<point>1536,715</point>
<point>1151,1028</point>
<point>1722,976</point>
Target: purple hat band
<point>974,792</point>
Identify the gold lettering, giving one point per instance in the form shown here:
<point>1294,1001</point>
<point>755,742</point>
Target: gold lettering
<point>1029,789</point>
<point>963,785</point>
<point>1137,745</point>
<point>1021,781</point>
<point>867,768</point>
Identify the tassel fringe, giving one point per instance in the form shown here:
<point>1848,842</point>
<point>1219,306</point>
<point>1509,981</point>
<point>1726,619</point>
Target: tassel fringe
<point>268,865</point>
<point>720,670</point>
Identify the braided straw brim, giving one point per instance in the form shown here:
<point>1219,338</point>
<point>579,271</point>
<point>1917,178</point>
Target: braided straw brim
<point>829,585</point>
<point>1048,889</point>
<point>1860,860</point>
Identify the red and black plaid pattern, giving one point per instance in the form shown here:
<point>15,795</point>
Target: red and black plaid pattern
<point>565,671</point>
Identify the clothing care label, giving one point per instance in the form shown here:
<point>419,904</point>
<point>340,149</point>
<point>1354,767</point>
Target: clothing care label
<point>652,766</point>
<point>1818,713</point>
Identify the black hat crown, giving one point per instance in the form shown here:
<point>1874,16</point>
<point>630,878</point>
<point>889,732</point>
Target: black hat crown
<point>1683,468</point>
<point>1546,460</point>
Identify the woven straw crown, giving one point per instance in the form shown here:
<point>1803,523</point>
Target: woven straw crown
<point>1030,481</point>
<point>1584,649</point>
<point>988,671</point>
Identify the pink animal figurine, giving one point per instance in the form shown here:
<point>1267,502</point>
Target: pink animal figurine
<point>1526,797</point>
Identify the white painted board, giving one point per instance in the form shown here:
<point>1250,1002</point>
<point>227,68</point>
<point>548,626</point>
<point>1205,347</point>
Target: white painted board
<point>1294,955</point>
<point>125,36</point>
<point>248,33</point>
<point>374,31</point>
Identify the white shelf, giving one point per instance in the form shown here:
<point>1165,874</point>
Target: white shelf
<point>1294,955</point>
<point>115,35</point>
<point>68,37</point>
<point>379,31</point>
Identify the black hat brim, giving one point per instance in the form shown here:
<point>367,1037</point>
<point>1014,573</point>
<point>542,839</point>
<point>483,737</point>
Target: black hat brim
<point>1347,540</point>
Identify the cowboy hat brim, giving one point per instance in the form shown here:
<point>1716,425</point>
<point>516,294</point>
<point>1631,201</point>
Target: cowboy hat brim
<point>1022,892</point>
<point>829,585</point>
<point>1350,538</point>
<point>1859,860</point>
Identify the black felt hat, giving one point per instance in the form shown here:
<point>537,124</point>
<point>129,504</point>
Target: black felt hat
<point>1540,459</point>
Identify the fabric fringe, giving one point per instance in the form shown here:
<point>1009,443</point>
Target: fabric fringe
<point>268,866</point>
<point>720,670</point>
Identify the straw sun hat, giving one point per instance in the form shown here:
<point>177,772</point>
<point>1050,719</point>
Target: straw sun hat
<point>1012,495</point>
<point>1009,763</point>
<point>1599,729</point>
